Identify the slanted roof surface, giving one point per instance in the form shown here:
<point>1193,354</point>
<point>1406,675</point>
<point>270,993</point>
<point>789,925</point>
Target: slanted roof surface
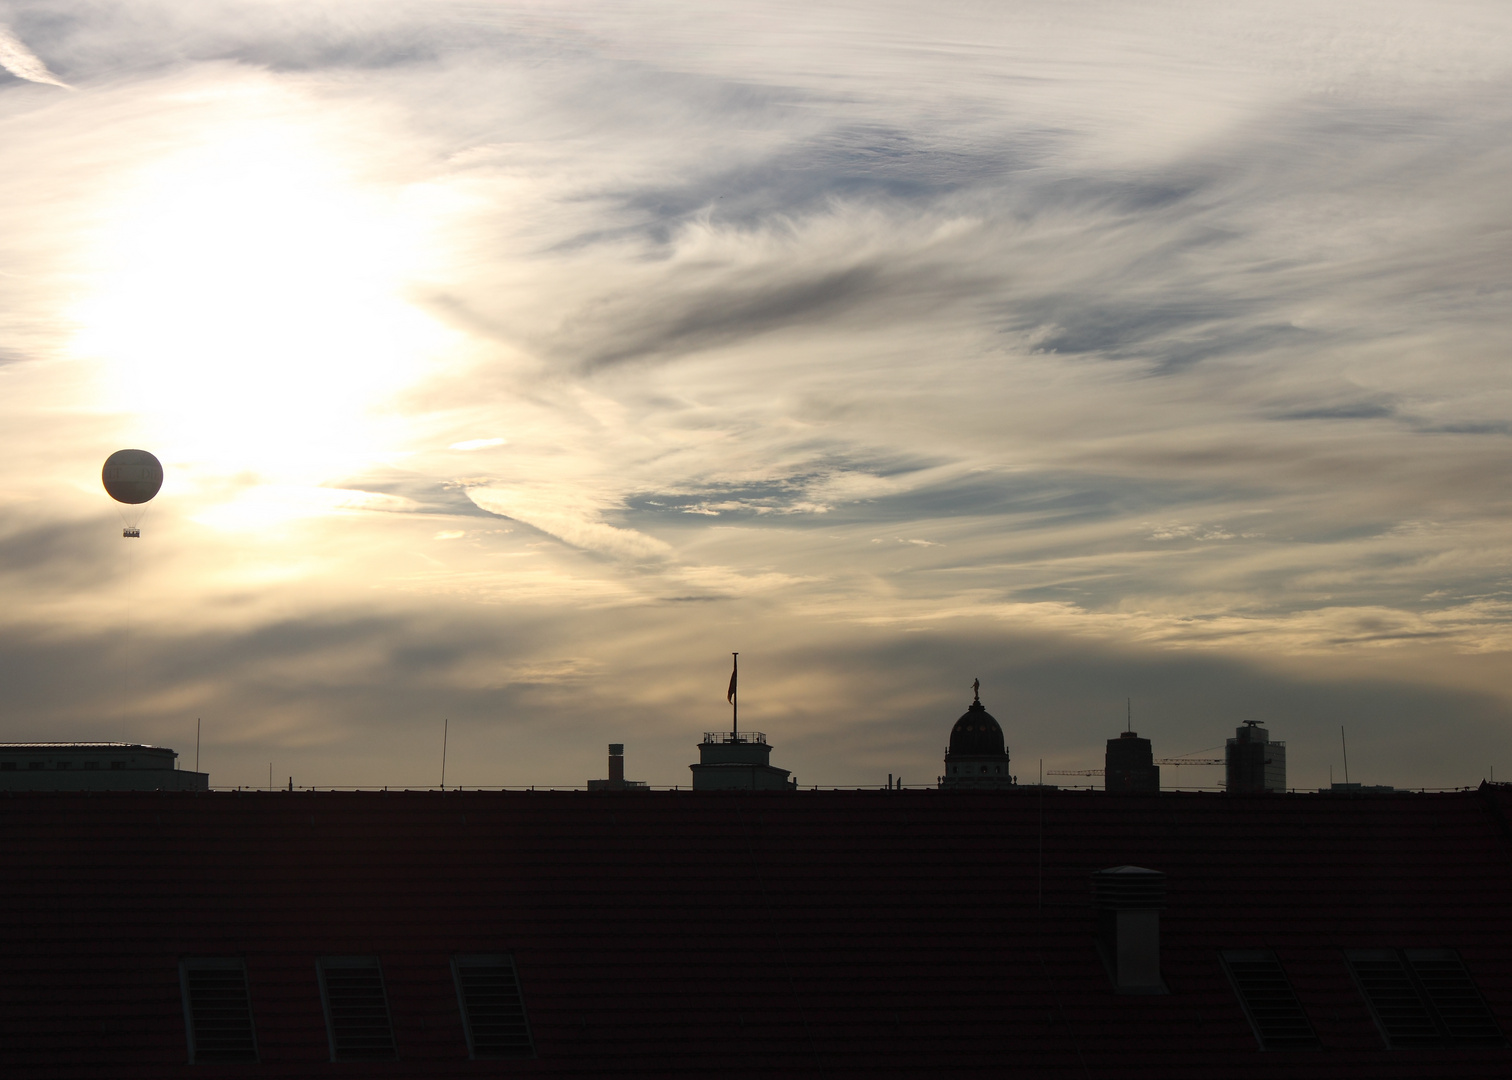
<point>735,934</point>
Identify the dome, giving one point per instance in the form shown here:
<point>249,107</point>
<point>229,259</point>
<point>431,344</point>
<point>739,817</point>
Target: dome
<point>977,733</point>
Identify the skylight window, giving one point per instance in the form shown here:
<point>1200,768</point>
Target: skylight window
<point>1269,1002</point>
<point>493,1012</point>
<point>1423,998</point>
<point>217,1010</point>
<point>356,1008</point>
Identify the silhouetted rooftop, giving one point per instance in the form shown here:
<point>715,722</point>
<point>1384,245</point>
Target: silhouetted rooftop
<point>743,934</point>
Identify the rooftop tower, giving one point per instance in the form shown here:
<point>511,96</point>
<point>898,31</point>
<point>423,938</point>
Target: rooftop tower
<point>617,781</point>
<point>1253,763</point>
<point>1130,765</point>
<point>734,760</point>
<point>738,761</point>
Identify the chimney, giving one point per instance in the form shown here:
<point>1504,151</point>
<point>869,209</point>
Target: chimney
<point>617,781</point>
<point>1129,899</point>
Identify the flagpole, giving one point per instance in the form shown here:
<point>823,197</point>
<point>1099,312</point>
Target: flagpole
<point>734,696</point>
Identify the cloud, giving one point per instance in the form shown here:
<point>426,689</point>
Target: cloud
<point>570,521</point>
<point>1150,347</point>
<point>21,62</point>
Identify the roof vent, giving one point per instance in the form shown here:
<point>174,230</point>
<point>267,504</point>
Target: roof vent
<point>1129,899</point>
<point>217,1010</point>
<point>1423,998</point>
<point>493,1013</point>
<point>1269,1002</point>
<point>356,1008</point>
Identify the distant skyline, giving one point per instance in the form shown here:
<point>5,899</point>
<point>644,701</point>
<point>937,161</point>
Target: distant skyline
<point>513,363</point>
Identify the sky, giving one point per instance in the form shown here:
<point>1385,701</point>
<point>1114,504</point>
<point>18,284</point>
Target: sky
<point>512,364</point>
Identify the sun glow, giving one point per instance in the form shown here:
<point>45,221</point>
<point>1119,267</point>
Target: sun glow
<point>250,308</point>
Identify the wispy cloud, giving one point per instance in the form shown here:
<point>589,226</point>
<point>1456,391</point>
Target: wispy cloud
<point>1169,335</point>
<point>21,62</point>
<point>569,520</point>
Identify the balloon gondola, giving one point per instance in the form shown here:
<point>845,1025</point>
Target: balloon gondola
<point>132,478</point>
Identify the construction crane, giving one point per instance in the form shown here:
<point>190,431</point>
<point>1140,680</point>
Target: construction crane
<point>1158,761</point>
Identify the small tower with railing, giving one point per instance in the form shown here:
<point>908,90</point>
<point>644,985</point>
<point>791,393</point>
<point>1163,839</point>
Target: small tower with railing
<point>738,761</point>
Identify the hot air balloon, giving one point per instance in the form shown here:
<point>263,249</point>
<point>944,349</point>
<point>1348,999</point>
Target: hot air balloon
<point>132,478</point>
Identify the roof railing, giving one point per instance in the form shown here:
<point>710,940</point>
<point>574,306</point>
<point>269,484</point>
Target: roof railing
<point>1086,789</point>
<point>731,738</point>
<point>79,746</point>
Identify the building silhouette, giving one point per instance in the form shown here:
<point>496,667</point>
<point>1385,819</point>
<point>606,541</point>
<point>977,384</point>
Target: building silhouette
<point>977,929</point>
<point>1130,765</point>
<point>1252,763</point>
<point>94,766</point>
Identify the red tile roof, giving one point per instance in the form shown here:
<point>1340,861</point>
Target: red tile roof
<point>827,934</point>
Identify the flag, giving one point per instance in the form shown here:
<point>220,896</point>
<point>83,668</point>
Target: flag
<point>730,694</point>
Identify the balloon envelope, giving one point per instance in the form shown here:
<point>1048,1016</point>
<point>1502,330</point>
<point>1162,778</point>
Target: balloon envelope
<point>131,476</point>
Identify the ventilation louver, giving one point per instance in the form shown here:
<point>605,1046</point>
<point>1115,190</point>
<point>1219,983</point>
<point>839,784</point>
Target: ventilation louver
<point>493,1011</point>
<point>217,1011</point>
<point>1466,1019</point>
<point>1423,998</point>
<point>356,1008</point>
<point>1269,1002</point>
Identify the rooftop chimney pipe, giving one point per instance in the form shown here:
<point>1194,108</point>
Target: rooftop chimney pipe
<point>616,761</point>
<point>1129,899</point>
